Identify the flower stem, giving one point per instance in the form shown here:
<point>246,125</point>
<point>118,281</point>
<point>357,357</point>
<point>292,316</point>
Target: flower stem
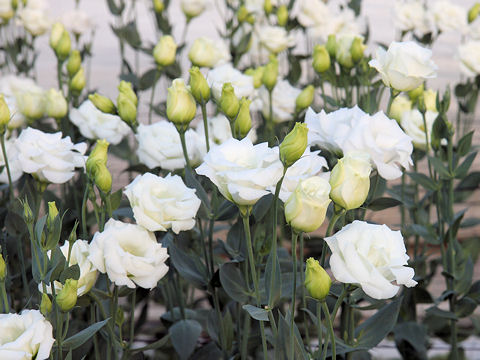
<point>330,329</point>
<point>5,159</point>
<point>294,291</point>
<point>152,95</point>
<point>6,308</point>
<point>304,298</point>
<point>203,106</point>
<point>184,147</point>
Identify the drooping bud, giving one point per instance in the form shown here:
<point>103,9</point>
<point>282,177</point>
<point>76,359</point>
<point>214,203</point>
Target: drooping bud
<point>181,105</point>
<point>199,86</point>
<point>473,12</point>
<point>56,105</point>
<point>257,75</point>
<point>229,103</point>
<point>270,74</point>
<point>294,144</point>
<point>127,110</point>
<point>97,157</point>
<point>305,98</point>
<point>317,280</point>
<point>3,268</point>
<point>67,297</point>
<point>45,305</point>
<point>103,103</point>
<point>74,62</point>
<point>103,179</point>
<point>243,122</point>
<point>158,6</point>
<point>331,45</point>
<point>282,15</point>
<point>165,51</point>
<point>4,112</point>
<point>321,59</point>
<point>77,83</point>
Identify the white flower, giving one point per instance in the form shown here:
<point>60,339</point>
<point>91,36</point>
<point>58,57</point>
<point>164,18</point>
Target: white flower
<point>160,203</point>
<point>208,52</point>
<point>469,55</point>
<point>284,96</point>
<point>256,6</point>
<point>405,65</point>
<point>77,21</point>
<point>48,157</point>
<point>371,256</point>
<point>313,13</point>
<point>6,10</point>
<point>412,16</point>
<point>310,164</point>
<point>274,38</point>
<point>13,162</point>
<point>412,123</point>
<point>243,172</point>
<point>27,335</point>
<point>94,124</point>
<point>192,8</point>
<point>129,254</point>
<point>242,84</point>
<point>88,273</point>
<point>219,131</point>
<point>159,145</point>
<point>34,17</point>
<point>448,16</point>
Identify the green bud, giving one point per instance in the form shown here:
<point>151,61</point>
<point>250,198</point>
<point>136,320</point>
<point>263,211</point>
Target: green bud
<point>103,103</point>
<point>67,297</point>
<point>165,51</point>
<point>243,122</point>
<point>415,93</point>
<point>45,305</point>
<point>120,317</point>
<point>268,7</point>
<point>242,14</point>
<point>126,88</point>
<point>229,103</point>
<point>282,15</point>
<point>257,75</point>
<point>97,157</point>
<point>4,112</point>
<point>127,110</point>
<point>294,144</point>
<point>321,59</point>
<point>473,12</point>
<point>64,45</point>
<point>56,105</point>
<point>27,212</point>
<point>270,74</point>
<point>181,105</point>
<point>55,34</point>
<point>74,62</point>
<point>77,83</point>
<point>3,269</point>
<point>103,179</point>
<point>331,45</point>
<point>399,105</point>
<point>357,49</point>
<point>305,98</point>
<point>430,99</point>
<point>158,6</point>
<point>199,86</point>
<point>31,104</point>
<point>52,213</point>
<point>317,280</point>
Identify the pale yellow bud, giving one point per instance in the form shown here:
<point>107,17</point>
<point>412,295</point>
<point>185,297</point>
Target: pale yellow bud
<point>78,82</point>
<point>126,89</point>
<point>294,144</point>
<point>64,45</point>
<point>55,34</point>
<point>52,213</point>
<point>45,305</point>
<point>127,110</point>
<point>317,280</point>
<point>416,93</point>
<point>282,15</point>
<point>270,74</point>
<point>181,105</point>
<point>158,6</point>
<point>199,86</point>
<point>4,112</point>
<point>31,104</point>
<point>103,103</point>
<point>268,7</point>
<point>243,122</point>
<point>321,59</point>
<point>103,179</point>
<point>473,12</point>
<point>305,98</point>
<point>98,156</point>
<point>399,105</point>
<point>229,103</point>
<point>56,104</point>
<point>67,297</point>
<point>74,62</point>
<point>331,45</point>
<point>430,100</point>
<point>357,49</point>
<point>3,268</point>
<point>165,51</point>
<point>257,75</point>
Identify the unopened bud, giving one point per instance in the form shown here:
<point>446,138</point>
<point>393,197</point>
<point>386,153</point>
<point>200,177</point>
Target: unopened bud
<point>415,93</point>
<point>229,103</point>
<point>294,144</point>
<point>103,179</point>
<point>331,45</point>
<point>270,74</point>
<point>74,62</point>
<point>3,269</point>
<point>305,98</point>
<point>127,110</point>
<point>243,122</point>
<point>199,86</point>
<point>473,12</point>
<point>56,105</point>
<point>268,7</point>
<point>321,59</point>
<point>97,157</point>
<point>77,83</point>
<point>257,75</point>
<point>242,14</point>
<point>430,100</point>
<point>4,113</point>
<point>52,213</point>
<point>126,88</point>
<point>357,49</point>
<point>55,34</point>
<point>158,6</point>
<point>165,51</point>
<point>103,103</point>
<point>67,297</point>
<point>27,212</point>
<point>317,280</point>
<point>45,305</point>
<point>282,15</point>
<point>181,105</point>
<point>64,45</point>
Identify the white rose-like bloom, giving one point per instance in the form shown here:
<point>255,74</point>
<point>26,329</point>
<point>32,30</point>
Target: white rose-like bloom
<point>313,13</point>
<point>371,256</point>
<point>242,84</point>
<point>310,164</point>
<point>129,254</point>
<point>13,162</point>
<point>219,131</point>
<point>159,145</point>
<point>284,96</point>
<point>192,8</point>
<point>412,123</point>
<point>412,16</point>
<point>206,52</point>
<point>94,124</point>
<point>49,157</point>
<point>243,172</point>
<point>469,56</point>
<point>274,38</point>
<point>448,16</point>
<point>77,21</point>
<point>160,204</point>
<point>27,335</point>
<point>405,65</point>
<point>34,18</point>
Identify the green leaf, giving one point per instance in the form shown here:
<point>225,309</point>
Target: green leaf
<point>465,144</point>
<point>439,167</point>
<point>147,80</point>
<point>261,208</point>
<point>256,313</point>
<point>193,183</point>
<point>435,311</point>
<point>277,283</point>
<point>469,183</point>
<point>462,170</point>
<point>153,346</point>
<point>72,272</point>
<point>424,180</point>
<point>465,307</point>
<point>416,336</point>
<point>427,232</point>
<point>80,338</point>
<point>184,335</point>
<point>55,265</point>
<point>233,282</point>
<point>116,199</point>
<point>190,267</point>
<point>383,203</point>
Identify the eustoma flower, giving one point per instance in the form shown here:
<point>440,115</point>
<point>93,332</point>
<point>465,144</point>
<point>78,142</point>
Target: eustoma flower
<point>371,256</point>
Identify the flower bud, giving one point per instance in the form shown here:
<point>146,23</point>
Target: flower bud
<point>199,86</point>
<point>242,14</point>
<point>229,103</point>
<point>77,83</point>
<point>45,305</point>
<point>7,13</point>
<point>4,112</point>
<point>27,212</point>
<point>306,207</point>
<point>267,6</point>
<point>158,6</point>
<point>103,179</point>
<point>55,34</point>
<point>126,88</point>
<point>399,105</point>
<point>127,110</point>
<point>64,45</point>
<point>165,51</point>
<point>321,59</point>
<point>430,100</point>
<point>97,157</point>
<point>294,144</point>
<point>52,213</point>
<point>243,122</point>
<point>181,105</point>
<point>67,297</point>
<point>473,12</point>
<point>305,98</point>
<point>415,93</point>
<point>350,180</point>
<point>357,49</point>
<point>270,74</point>
<point>192,9</point>
<point>282,15</point>
<point>31,104</point>
<point>257,75</point>
<point>103,103</point>
<point>14,4</point>
<point>331,45</point>
<point>3,268</point>
<point>74,62</point>
<point>56,105</point>
<point>317,280</point>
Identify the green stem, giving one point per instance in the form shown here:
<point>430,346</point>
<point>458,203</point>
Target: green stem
<point>294,293</point>
<point>330,329</point>
<point>331,226</point>
<point>132,319</point>
<point>203,106</point>
<point>246,334</point>
<point>59,75</point>
<point>304,297</point>
<point>339,302</point>
<point>6,307</point>
<point>95,340</point>
<point>270,125</point>
<point>184,147</point>
<point>427,144</point>
<point>319,331</point>
<point>152,95</point>
<point>393,95</point>
<point>5,158</point>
